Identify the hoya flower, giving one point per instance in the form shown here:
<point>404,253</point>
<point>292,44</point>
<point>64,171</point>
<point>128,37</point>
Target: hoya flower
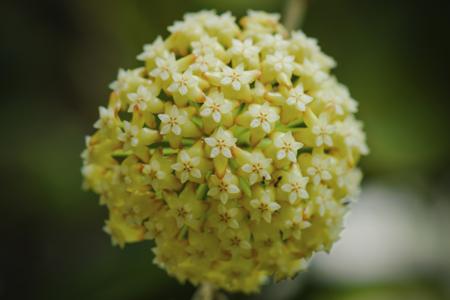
<point>223,188</point>
<point>295,186</point>
<point>221,143</point>
<point>264,116</point>
<point>287,146</point>
<point>244,52</point>
<point>125,79</point>
<point>281,62</point>
<point>296,224</point>
<point>165,66</point>
<point>298,98</point>
<point>227,217</point>
<point>237,77</point>
<point>215,106</point>
<point>153,170</point>
<point>233,147</point>
<point>323,131</point>
<point>107,118</point>
<point>182,83</point>
<point>271,43</point>
<point>151,51</point>
<point>258,169</point>
<point>205,63</point>
<point>187,166</point>
<point>143,99</point>
<point>129,135</point>
<point>354,137</point>
<point>264,207</point>
<point>320,169</point>
<point>172,121</point>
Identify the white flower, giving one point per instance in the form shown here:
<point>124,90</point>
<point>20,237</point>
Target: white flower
<point>270,43</point>
<point>205,63</point>
<point>288,146</point>
<point>298,98</point>
<point>296,187</point>
<point>297,223</point>
<point>323,131</point>
<point>129,135</point>
<point>281,62</point>
<point>107,118</point>
<point>235,77</point>
<point>227,217</point>
<point>244,49</point>
<point>165,66</point>
<point>187,166</point>
<point>188,27</point>
<point>320,169</point>
<point>215,106</point>
<point>264,207</point>
<point>205,46</point>
<point>313,70</point>
<point>152,50</point>
<point>323,198</point>
<point>351,131</point>
<point>263,116</point>
<point>125,78</point>
<point>221,143</point>
<point>223,188</point>
<point>153,170</point>
<point>139,101</point>
<point>170,122</point>
<point>257,168</point>
<point>182,82</point>
<point>225,23</point>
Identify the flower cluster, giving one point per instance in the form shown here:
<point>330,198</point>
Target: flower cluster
<point>233,148</point>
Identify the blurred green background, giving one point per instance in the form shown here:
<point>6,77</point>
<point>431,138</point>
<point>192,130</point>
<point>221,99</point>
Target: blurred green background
<point>57,59</point>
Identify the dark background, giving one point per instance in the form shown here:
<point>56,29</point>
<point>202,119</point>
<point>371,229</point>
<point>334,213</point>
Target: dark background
<point>56,61</point>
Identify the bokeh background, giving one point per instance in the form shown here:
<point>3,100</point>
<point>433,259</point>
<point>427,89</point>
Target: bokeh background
<point>56,61</point>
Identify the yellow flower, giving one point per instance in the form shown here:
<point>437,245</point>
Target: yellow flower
<point>232,147</point>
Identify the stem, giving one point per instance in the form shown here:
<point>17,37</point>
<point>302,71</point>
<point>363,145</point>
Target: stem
<point>206,291</point>
<point>294,13</point>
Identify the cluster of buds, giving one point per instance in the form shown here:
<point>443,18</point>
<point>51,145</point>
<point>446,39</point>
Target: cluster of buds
<point>233,148</point>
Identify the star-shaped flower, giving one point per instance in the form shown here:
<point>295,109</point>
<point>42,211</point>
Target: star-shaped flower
<point>153,170</point>
<point>297,223</point>
<point>236,77</point>
<point>319,169</point>
<point>182,82</point>
<point>288,146</point>
<point>323,130</point>
<point>187,166</point>
<point>165,66</point>
<point>223,188</point>
<point>281,62</point>
<point>107,118</point>
<point>227,217</point>
<point>221,143</point>
<point>152,50</point>
<point>258,168</point>
<point>296,186</point>
<point>298,98</point>
<point>125,79</point>
<point>139,101</point>
<point>129,135</point>
<point>215,106</point>
<point>264,207</point>
<point>244,49</point>
<point>264,116</point>
<point>171,121</point>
